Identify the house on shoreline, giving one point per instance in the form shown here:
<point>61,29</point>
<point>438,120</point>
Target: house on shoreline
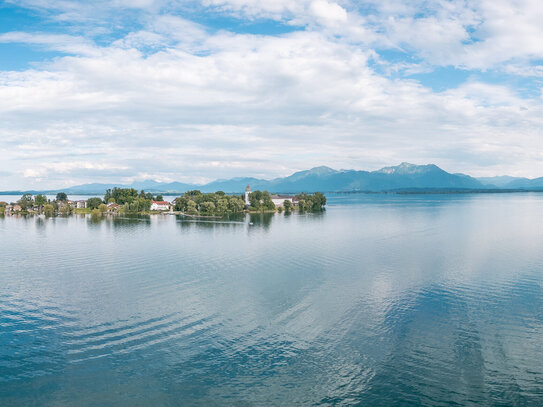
<point>113,207</point>
<point>279,200</point>
<point>160,206</point>
<point>12,208</point>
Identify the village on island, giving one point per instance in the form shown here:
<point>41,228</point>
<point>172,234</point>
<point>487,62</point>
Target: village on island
<point>191,203</point>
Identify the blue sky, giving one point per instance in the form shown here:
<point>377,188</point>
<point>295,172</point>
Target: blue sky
<point>119,90</point>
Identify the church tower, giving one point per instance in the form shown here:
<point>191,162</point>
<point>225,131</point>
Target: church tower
<point>247,192</point>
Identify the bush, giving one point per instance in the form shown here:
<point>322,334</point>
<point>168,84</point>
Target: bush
<point>94,203</point>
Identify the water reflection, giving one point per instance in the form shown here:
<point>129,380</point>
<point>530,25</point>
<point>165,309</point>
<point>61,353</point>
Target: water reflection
<point>124,220</point>
<point>263,220</point>
<point>407,300</point>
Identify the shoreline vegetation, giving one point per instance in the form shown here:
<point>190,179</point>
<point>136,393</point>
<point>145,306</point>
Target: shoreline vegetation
<point>194,204</point>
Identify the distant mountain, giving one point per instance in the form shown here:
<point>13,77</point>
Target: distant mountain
<point>525,183</point>
<point>396,178</point>
<point>403,176</point>
<point>507,182</point>
<point>499,181</point>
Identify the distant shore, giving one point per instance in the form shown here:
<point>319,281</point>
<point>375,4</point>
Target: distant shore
<point>192,203</point>
<point>392,191</point>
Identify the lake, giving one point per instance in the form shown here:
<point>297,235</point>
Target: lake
<point>380,300</point>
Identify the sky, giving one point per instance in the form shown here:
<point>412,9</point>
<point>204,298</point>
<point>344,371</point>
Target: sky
<point>191,91</point>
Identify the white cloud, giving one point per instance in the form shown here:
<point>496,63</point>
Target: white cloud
<point>328,12</point>
<point>58,42</point>
<point>277,9</point>
<point>173,99</point>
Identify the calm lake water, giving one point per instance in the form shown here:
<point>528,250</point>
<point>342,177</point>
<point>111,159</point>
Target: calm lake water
<point>381,300</point>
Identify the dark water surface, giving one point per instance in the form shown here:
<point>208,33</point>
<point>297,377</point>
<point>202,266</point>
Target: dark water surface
<point>381,300</point>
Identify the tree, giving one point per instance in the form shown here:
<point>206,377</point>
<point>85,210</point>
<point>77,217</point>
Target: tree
<point>267,203</point>
<point>62,197</point>
<point>140,205</point>
<point>26,201</point>
<point>40,200</point>
<point>121,195</point>
<point>236,205</point>
<point>192,208</point>
<point>48,210</point>
<point>102,208</point>
<point>305,204</point>
<point>159,198</point>
<point>287,205</point>
<point>192,193</point>
<point>222,206</point>
<point>254,200</point>
<point>65,210</point>
<point>260,201</point>
<point>94,203</point>
<point>181,204</point>
<point>318,201</point>
<point>207,207</point>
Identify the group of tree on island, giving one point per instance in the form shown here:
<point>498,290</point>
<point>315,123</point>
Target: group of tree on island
<point>195,203</point>
<point>219,203</point>
<point>311,203</point>
<point>215,204</point>
<point>125,200</point>
<point>39,204</point>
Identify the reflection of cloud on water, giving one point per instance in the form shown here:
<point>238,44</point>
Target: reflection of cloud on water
<point>309,307</point>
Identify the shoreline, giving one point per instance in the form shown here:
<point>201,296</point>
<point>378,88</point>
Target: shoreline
<point>413,191</point>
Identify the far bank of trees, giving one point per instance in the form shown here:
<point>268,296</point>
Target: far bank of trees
<point>197,203</point>
<point>311,203</point>
<point>40,204</point>
<point>214,204</point>
<point>260,201</point>
<point>129,200</point>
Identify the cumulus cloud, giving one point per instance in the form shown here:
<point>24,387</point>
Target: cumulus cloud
<point>173,99</point>
<point>328,12</point>
<point>58,42</point>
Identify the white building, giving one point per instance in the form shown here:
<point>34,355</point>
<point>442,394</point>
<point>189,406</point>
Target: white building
<point>160,206</point>
<point>81,204</point>
<point>247,192</point>
<point>279,200</point>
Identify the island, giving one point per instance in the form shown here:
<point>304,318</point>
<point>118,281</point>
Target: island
<point>192,203</point>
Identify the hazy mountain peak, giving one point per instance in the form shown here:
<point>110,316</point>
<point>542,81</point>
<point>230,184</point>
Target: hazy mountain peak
<point>323,169</point>
<point>316,171</point>
<point>408,168</point>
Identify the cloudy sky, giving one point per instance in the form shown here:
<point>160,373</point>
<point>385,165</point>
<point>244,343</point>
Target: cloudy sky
<point>119,90</point>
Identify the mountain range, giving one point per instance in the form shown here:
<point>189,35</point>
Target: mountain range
<point>403,177</point>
